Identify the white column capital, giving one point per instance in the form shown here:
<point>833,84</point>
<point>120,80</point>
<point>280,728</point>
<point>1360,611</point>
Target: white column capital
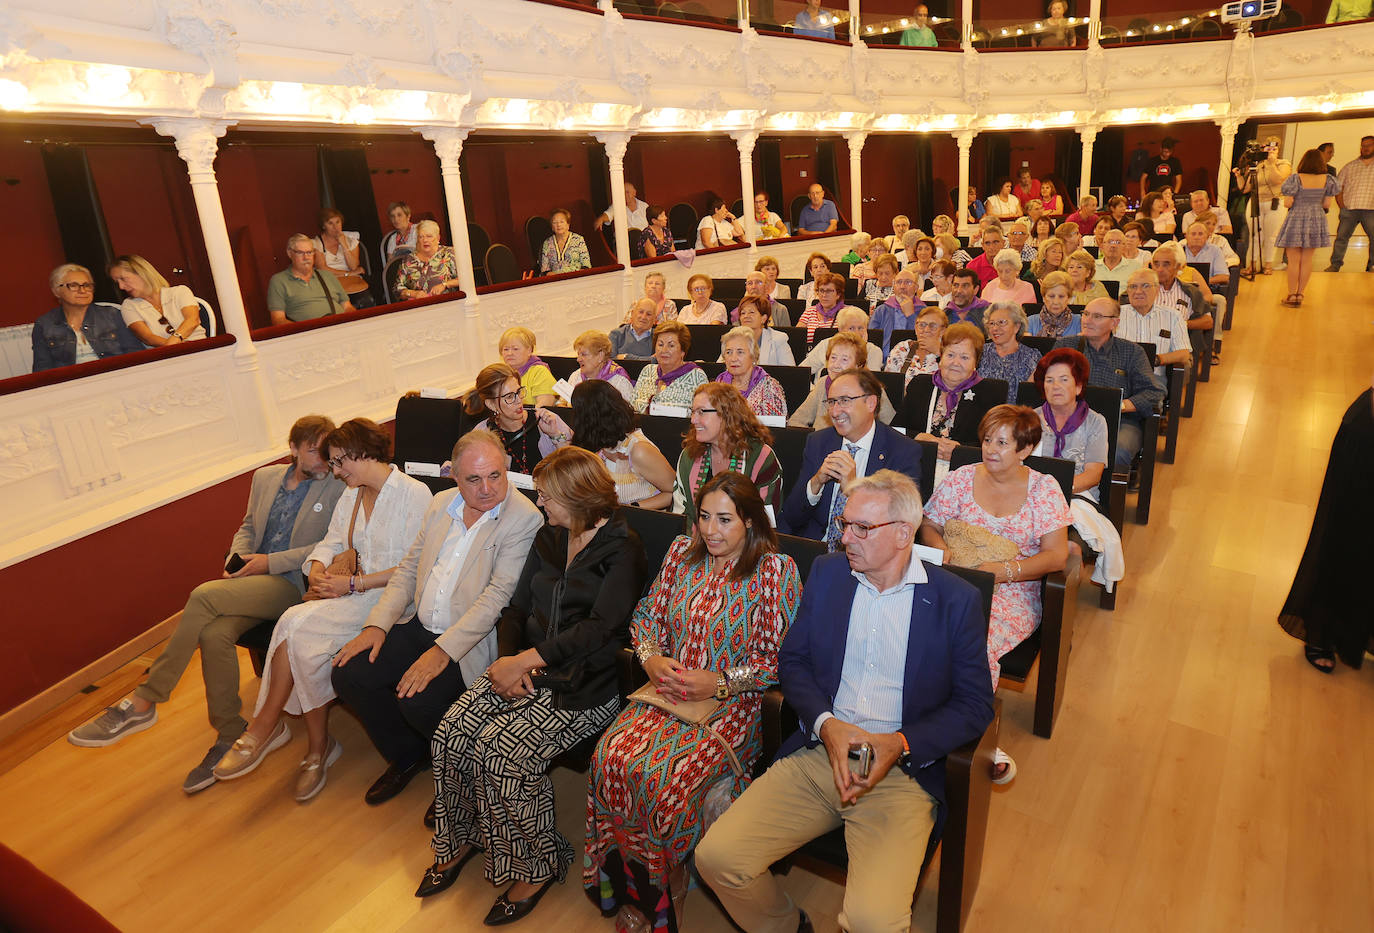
<point>745,141</point>
<point>856,142</point>
<point>197,141</point>
<point>1228,125</point>
<point>965,139</point>
<point>1088,133</point>
<point>448,142</point>
<point>616,144</point>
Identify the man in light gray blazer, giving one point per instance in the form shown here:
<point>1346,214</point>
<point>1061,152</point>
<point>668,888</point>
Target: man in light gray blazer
<point>289,508</point>
<point>400,675</point>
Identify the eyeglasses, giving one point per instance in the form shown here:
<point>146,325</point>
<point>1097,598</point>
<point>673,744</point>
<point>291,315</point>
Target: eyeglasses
<point>843,401</point>
<point>1097,316</point>
<point>927,326</point>
<point>1139,287</point>
<point>701,288</point>
<point>336,463</point>
<point>301,252</point>
<point>861,529</point>
<point>510,398</point>
<point>79,286</point>
<point>999,323</point>
<point>703,411</point>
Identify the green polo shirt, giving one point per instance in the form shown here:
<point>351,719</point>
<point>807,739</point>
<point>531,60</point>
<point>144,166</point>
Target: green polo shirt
<point>304,301</point>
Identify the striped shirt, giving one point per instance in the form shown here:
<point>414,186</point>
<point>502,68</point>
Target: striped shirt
<point>1162,327</point>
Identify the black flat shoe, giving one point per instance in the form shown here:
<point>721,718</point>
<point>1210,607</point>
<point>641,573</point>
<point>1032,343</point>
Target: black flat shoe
<point>392,782</point>
<point>506,910</point>
<point>430,818</point>
<point>804,924</point>
<point>1315,654</point>
<point>438,879</point>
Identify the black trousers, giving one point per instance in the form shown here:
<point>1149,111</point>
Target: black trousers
<point>400,728</point>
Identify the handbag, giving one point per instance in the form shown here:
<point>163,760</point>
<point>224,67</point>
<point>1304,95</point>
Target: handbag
<point>695,712</point>
<point>345,563</point>
<point>969,545</point>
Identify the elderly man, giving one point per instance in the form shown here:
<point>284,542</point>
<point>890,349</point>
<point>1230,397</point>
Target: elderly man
<point>1086,215</point>
<point>896,241</point>
<point>819,216</point>
<point>1356,203</point>
<point>1209,220</point>
<point>1197,250</point>
<point>1198,202</point>
<point>1120,364</point>
<point>1192,300</point>
<point>756,286</point>
<point>885,652</point>
<point>855,444</point>
<point>1148,321</point>
<point>1018,238</point>
<point>984,265</point>
<point>1027,188</point>
<point>1111,265</point>
<point>301,293</point>
<point>289,508</point>
<point>898,312</point>
<point>635,339</point>
<point>636,211</point>
<point>964,303</point>
<point>434,630</point>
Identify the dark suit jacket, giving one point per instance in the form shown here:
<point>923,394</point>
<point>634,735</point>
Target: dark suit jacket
<point>891,451</point>
<point>947,690</point>
<point>916,407</point>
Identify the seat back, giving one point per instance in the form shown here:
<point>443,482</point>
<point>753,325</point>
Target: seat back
<point>682,220</point>
<point>635,251</point>
<point>802,550</point>
<point>706,341</point>
<point>1113,288</point>
<point>426,430</point>
<point>537,230</point>
<point>794,211</point>
<point>207,318</point>
<point>1042,345</point>
<point>728,291</point>
<point>666,433</point>
<point>479,241</point>
<point>795,381</point>
<point>656,530</point>
<point>1062,470</point>
<point>500,265</point>
<point>392,272</point>
<point>789,444</point>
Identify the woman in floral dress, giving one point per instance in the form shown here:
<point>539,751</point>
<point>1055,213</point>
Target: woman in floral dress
<point>430,270</point>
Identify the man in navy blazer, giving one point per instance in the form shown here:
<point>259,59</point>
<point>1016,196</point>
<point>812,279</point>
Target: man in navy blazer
<point>856,444</point>
<point>886,653</point>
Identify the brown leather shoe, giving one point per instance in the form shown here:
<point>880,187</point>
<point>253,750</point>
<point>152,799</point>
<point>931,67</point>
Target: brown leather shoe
<point>392,782</point>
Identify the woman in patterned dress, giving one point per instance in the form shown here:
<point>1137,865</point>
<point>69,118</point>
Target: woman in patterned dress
<point>762,392</point>
<point>565,251</point>
<point>710,626</point>
<point>725,435</point>
<point>1008,358</point>
<point>431,269</point>
<point>670,379</point>
<point>1009,499</point>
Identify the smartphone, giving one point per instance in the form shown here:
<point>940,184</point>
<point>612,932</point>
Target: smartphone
<point>235,564</point>
<point>864,755</point>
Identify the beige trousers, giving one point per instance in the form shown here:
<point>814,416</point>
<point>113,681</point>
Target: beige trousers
<point>795,801</point>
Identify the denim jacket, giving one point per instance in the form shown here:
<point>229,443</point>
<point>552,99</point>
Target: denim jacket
<point>54,341</point>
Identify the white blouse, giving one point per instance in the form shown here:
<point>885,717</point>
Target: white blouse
<point>174,298</point>
<point>338,260</point>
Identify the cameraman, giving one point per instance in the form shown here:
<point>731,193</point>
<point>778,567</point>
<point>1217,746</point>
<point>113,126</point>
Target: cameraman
<point>1264,180</point>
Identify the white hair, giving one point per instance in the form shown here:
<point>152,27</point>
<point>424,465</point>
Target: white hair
<point>57,275</point>
<point>1010,257</point>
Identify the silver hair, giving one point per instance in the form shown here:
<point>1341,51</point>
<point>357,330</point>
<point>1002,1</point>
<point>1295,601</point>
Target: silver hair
<point>1171,249</point>
<point>903,496</point>
<point>295,238</point>
<point>1014,311</point>
<point>427,226</point>
<point>849,313</point>
<point>57,275</point>
<point>741,333</point>
<point>1009,256</point>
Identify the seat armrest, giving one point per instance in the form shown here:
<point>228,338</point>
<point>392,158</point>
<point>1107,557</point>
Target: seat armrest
<point>968,790</point>
<point>628,672</point>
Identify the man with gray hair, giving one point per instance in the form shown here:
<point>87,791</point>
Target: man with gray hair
<point>1153,323</point>
<point>1111,264</point>
<point>882,698</point>
<point>300,292</point>
<point>1199,201</point>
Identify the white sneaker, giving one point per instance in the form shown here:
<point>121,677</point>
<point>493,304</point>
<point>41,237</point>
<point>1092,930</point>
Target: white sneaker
<point>1000,757</point>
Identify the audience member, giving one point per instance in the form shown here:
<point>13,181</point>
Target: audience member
<point>921,354</point>
<point>1069,428</point>
<point>553,686</point>
<point>814,22</point>
<point>638,214</point>
<point>829,288</point>
<point>1035,212</point>
<point>1004,205</point>
<point>671,379</point>
<point>604,423</point>
<point>896,240</point>
<point>300,292</point>
<point>898,312</point>
<point>820,215</point>
<point>707,636</point>
<point>565,251</point>
<point>771,226</point>
<point>633,339</point>
<point>1136,234</point>
<point>740,352</point>
<point>964,303</point>
<point>942,225</point>
<point>1101,225</point>
<point>499,396</point>
<point>1166,171</point>
<point>843,352</point>
<point>403,671</point>
<point>517,352</point>
<point>1049,258</point>
<point>816,265</point>
<point>1008,285</point>
<point>1003,496</point>
<point>1196,249</point>
<point>1052,201</point>
<point>1158,208</point>
<point>1059,31</point>
<point>852,321</point>
<point>947,407</point>
<point>947,247</point>
<point>856,444</point>
<point>374,522</point>
<point>918,34</point>
<point>725,436</point>
<point>155,312</point>
<point>920,252</point>
<point>983,263</point>
<point>289,509</point>
<point>756,286</point>
<point>1307,194</point>
<point>1007,359</point>
<point>1056,318</point>
<point>905,672</point>
<point>1191,299</point>
<point>1117,208</point>
<point>339,252</point>
<point>1018,239</point>
<point>595,361</point>
<point>777,291</point>
<point>1071,235</point>
<point>973,206</point>
<point>1356,202</point>
<point>401,237</point>
<point>1111,265</point>
<point>1081,268</point>
<point>1086,215</point>
<point>655,289</point>
<point>756,314</point>
<point>701,309</point>
<point>879,288</point>
<point>1041,230</point>
<point>864,249</point>
<point>1200,201</point>
<point>655,239</point>
<point>430,269</point>
<point>77,330</point>
<point>1209,220</point>
<point>719,227</point>
<point>1027,188</point>
<point>941,289</point>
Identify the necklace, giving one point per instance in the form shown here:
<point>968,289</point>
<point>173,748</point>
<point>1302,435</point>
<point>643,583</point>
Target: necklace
<point>736,465</point>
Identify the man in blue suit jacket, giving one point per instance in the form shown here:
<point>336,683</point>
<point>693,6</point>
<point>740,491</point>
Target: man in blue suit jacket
<point>884,652</point>
<point>857,444</point>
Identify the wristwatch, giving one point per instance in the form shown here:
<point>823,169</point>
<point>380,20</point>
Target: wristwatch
<point>722,687</point>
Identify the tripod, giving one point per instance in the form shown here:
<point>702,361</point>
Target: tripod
<point>1254,249</point>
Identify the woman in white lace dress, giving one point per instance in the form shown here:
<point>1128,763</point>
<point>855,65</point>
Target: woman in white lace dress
<point>385,509</point>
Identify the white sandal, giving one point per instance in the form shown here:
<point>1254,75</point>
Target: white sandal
<point>1000,757</point>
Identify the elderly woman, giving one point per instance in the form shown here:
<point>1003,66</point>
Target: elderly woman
<point>725,435</point>
<point>879,288</point>
<point>842,352</point>
<point>920,355</point>
<point>816,265</point>
<point>1136,235</point>
<point>719,227</point>
<point>565,251</point>
<point>656,239</point>
<point>373,525</point>
<point>499,396</point>
<point>1071,235</point>
<point>756,314</point>
<point>848,321</point>
<point>403,232</point>
<point>670,379</point>
<point>1002,495</point>
<point>740,352</point>
<point>1069,428</point>
<point>943,224</point>
<point>829,289</point>
<point>655,289</point>
<point>1082,267</point>
<point>1042,228</point>
<point>858,250</point>
<point>76,331</point>
<point>1008,286</point>
<point>709,628</point>
<point>604,423</point>
<point>1035,209</point>
<point>517,352</point>
<point>1004,205</point>
<point>701,309</point>
<point>875,249</point>
<point>1056,318</point>
<point>553,686</point>
<point>337,251</point>
<point>941,282</point>
<point>1053,203</point>
<point>1009,360</point>
<point>594,362</point>
<point>774,289</point>
<point>430,269</point>
<point>1049,258</point>
<point>946,406</point>
<point>157,313</point>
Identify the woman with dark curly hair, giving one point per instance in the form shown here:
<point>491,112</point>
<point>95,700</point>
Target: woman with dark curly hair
<point>499,394</point>
<point>725,435</point>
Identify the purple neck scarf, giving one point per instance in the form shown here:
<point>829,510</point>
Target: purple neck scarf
<point>756,375</point>
<point>668,378</point>
<point>612,368</point>
<point>1080,414</point>
<point>532,361</point>
<point>952,393</point>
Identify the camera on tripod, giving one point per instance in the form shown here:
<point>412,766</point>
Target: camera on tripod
<point>1254,153</point>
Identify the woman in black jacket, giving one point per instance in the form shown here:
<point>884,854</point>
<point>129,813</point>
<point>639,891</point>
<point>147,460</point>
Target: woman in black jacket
<point>553,686</point>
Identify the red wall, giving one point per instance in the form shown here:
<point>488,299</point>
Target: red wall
<point>1199,149</point>
<point>29,235</point>
<point>693,169</point>
<point>408,170</point>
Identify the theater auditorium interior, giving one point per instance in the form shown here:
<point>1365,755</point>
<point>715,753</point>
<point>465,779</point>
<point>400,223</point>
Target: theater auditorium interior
<point>1181,761</point>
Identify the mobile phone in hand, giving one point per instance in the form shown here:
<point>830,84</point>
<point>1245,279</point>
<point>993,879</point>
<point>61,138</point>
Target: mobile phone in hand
<point>235,564</point>
<point>864,755</point>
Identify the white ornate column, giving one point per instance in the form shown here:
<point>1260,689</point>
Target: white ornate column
<point>854,37</point>
<point>1229,125</point>
<point>448,146</point>
<point>966,27</point>
<point>856,192</point>
<point>745,140</point>
<point>1088,134</point>
<point>616,144</point>
<point>965,141</point>
<point>1094,23</point>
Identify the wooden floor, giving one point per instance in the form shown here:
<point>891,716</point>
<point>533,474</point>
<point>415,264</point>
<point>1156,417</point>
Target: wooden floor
<point>1201,777</point>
